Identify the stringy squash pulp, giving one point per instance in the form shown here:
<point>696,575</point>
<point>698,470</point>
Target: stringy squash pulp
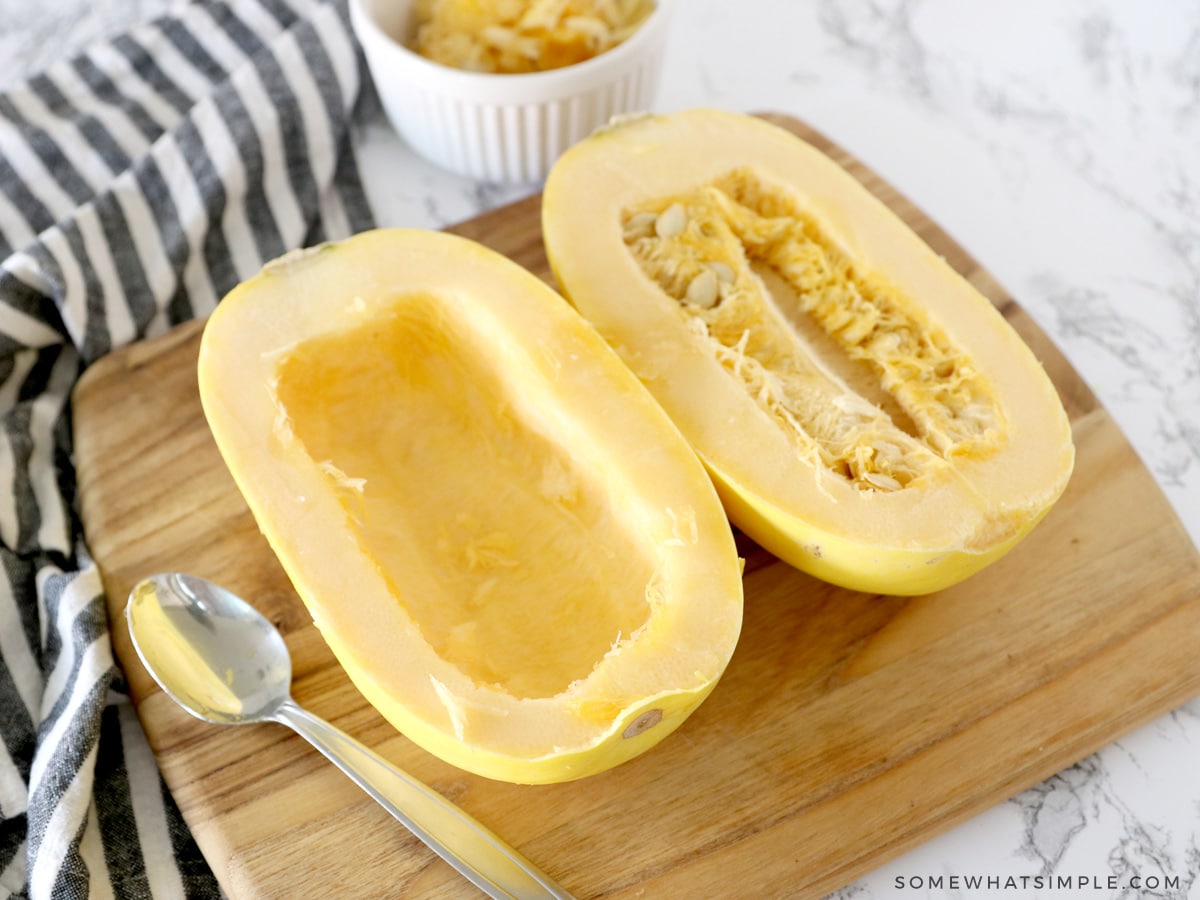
<point>510,548</point>
<point>866,414</point>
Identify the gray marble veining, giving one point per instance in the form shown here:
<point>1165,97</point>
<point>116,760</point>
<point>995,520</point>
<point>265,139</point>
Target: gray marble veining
<point>34,35</point>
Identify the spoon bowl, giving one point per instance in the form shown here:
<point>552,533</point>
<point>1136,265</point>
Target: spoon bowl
<point>210,650</point>
<point>222,661</point>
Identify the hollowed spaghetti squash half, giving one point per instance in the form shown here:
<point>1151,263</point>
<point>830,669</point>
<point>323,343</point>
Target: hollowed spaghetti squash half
<point>866,414</point>
<point>509,547</point>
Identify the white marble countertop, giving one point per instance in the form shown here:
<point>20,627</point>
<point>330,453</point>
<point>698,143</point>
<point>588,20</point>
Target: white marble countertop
<point>1060,144</point>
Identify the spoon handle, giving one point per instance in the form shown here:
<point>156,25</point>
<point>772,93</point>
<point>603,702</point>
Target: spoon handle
<point>475,851</point>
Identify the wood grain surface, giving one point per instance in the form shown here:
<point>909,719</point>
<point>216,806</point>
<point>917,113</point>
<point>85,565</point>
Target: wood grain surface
<point>847,729</point>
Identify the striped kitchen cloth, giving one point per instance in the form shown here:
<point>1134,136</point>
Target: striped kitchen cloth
<point>139,181</point>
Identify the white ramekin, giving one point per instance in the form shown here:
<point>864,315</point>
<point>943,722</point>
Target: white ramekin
<point>503,128</point>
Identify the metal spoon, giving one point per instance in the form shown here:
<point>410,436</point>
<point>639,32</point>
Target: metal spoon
<point>219,659</point>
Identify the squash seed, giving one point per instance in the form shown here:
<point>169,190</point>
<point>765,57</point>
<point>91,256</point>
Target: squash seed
<point>882,482</point>
<point>640,224</point>
<point>723,271</point>
<point>671,221</point>
<point>703,290</point>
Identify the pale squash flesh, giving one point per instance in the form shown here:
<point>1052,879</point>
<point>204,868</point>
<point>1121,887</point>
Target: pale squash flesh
<point>865,413</point>
<point>507,544</point>
<point>489,565</point>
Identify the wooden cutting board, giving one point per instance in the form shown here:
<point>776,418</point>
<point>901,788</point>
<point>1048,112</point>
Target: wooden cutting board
<point>847,729</point>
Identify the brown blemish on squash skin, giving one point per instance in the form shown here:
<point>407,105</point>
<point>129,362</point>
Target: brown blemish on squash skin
<point>643,723</point>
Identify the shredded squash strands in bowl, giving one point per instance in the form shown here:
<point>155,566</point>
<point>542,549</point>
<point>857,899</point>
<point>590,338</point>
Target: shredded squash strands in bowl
<point>517,36</point>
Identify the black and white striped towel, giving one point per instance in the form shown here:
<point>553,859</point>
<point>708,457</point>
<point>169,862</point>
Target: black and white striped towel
<point>139,182</point>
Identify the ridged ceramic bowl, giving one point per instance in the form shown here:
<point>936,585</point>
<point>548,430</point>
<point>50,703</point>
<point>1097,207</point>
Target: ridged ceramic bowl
<point>502,128</point>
